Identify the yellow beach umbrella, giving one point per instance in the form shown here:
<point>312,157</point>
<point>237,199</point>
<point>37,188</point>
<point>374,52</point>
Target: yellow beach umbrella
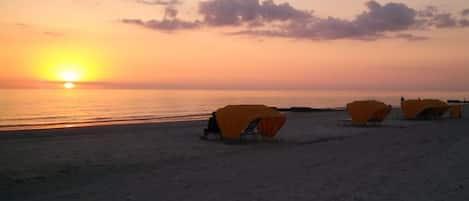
<point>363,112</point>
<point>234,119</point>
<point>414,109</point>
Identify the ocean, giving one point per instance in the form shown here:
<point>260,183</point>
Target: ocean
<point>59,108</point>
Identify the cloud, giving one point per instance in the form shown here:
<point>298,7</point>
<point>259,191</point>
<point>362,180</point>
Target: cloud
<point>170,12</point>
<point>410,37</point>
<point>390,17</point>
<point>374,23</point>
<point>464,23</point>
<point>159,2</point>
<point>237,12</point>
<point>428,12</point>
<point>445,20</point>
<point>432,17</point>
<point>223,13</point>
<point>270,11</point>
<point>465,12</point>
<point>167,25</point>
<point>369,25</point>
<point>266,18</point>
<point>169,22</point>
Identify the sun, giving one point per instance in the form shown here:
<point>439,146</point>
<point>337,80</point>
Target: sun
<point>71,63</point>
<point>69,76</point>
<point>69,85</point>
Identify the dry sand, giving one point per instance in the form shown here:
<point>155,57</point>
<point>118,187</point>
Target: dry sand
<point>317,157</point>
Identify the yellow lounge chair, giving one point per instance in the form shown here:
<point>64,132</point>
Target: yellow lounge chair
<point>363,112</point>
<point>423,109</point>
<point>234,119</point>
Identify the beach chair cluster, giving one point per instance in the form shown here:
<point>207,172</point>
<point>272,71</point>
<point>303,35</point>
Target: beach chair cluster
<point>365,112</point>
<point>232,122</point>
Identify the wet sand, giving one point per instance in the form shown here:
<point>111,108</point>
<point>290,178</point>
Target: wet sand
<point>318,156</point>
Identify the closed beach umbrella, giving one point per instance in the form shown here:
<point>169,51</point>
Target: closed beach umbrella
<point>363,112</point>
<point>233,120</point>
<point>414,109</point>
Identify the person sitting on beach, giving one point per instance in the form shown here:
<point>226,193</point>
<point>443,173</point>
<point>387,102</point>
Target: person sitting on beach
<point>212,126</point>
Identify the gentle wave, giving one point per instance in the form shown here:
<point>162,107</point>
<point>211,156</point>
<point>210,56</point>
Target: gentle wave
<point>111,120</point>
<point>35,118</point>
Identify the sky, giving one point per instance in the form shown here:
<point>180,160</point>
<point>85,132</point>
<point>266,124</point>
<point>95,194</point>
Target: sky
<point>236,44</point>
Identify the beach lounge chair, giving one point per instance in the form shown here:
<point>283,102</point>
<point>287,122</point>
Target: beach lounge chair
<point>251,129</point>
<point>363,112</point>
<point>212,128</point>
<point>423,109</point>
<point>235,121</point>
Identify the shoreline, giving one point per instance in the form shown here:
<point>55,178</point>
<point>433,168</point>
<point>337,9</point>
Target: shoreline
<point>64,125</point>
<point>143,120</point>
<point>80,130</point>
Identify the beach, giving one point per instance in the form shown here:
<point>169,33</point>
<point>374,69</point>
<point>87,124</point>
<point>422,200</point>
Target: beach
<point>317,156</point>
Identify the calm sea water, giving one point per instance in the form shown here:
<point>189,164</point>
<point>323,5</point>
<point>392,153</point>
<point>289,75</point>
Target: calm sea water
<point>30,109</point>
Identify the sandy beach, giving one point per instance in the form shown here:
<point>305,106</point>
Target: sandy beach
<point>318,156</point>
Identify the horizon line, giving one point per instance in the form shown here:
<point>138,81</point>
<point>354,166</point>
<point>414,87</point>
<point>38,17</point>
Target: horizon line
<point>86,85</point>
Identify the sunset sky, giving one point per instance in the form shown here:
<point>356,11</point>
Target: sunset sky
<point>236,44</point>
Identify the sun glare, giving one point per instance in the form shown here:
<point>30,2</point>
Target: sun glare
<point>69,85</point>
<point>69,76</point>
<point>64,64</point>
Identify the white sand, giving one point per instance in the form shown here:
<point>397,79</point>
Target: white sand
<point>318,157</point>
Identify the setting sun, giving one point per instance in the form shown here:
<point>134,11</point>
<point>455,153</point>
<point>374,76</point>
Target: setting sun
<point>67,64</point>
<point>69,76</point>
